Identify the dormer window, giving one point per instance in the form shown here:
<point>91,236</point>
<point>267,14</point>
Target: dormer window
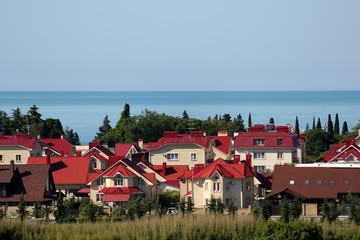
<point>100,182</point>
<point>119,181</point>
<point>94,164</point>
<point>279,141</point>
<point>259,142</point>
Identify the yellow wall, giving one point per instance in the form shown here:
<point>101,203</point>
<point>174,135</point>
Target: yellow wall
<point>9,153</point>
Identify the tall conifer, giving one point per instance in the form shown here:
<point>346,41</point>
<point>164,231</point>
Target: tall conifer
<point>313,127</point>
<point>330,127</point>
<point>336,125</point>
<point>318,125</point>
<point>345,128</point>
<point>297,130</point>
<point>249,121</point>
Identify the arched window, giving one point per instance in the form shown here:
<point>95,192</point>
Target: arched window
<point>119,181</point>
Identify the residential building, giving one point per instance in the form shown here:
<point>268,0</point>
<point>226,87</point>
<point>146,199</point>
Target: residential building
<point>99,155</point>
<point>59,147</point>
<point>181,149</point>
<point>223,146</point>
<point>220,180</point>
<point>34,182</point>
<point>270,146</point>
<point>122,182</point>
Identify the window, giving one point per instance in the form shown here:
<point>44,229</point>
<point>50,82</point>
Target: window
<point>306,182</point>
<point>346,182</point>
<point>206,186</point>
<point>172,156</point>
<point>216,187</point>
<point>280,155</point>
<point>100,182</point>
<point>1,158</point>
<point>259,169</point>
<point>260,142</point>
<point>259,155</point>
<point>99,197</point>
<point>248,186</point>
<point>193,157</point>
<point>331,182</point>
<point>318,182</point>
<point>226,186</point>
<point>119,181</point>
<point>292,182</point>
<point>279,141</point>
<point>18,158</point>
<point>68,193</point>
<point>94,163</point>
<point>140,182</point>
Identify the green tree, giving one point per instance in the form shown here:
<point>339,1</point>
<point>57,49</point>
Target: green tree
<point>4,123</point>
<point>266,209</point>
<point>256,210</point>
<point>354,213</point>
<point>185,115</point>
<point>295,208</point>
<point>212,204</point>
<point>330,211</point>
<point>238,124</point>
<point>139,208</point>
<point>21,208</point>
<point>90,211</point>
<point>104,129</point>
<point>36,210</point>
<point>337,125</point>
<point>148,204</point>
<point>189,206</point>
<point>52,128</point>
<point>182,206</point>
<point>313,125</point>
<point>117,213</point>
<point>130,212</point>
<point>249,121</point>
<point>17,122</point>
<point>2,213</point>
<point>219,206</point>
<point>284,210</point>
<point>318,125</point>
<point>330,127</point>
<point>33,116</point>
<point>318,142</point>
<point>227,117</point>
<point>71,136</point>
<point>297,130</point>
<point>344,128</point>
<point>307,128</point>
<point>45,212</point>
<point>232,209</point>
<point>60,209</point>
<point>158,207</point>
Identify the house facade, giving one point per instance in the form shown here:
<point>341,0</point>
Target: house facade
<point>181,149</point>
<point>220,180</point>
<point>277,146</point>
<point>223,146</point>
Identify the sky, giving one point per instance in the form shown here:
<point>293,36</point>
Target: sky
<point>202,45</point>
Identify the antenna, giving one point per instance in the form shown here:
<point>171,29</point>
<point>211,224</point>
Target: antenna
<point>190,124</point>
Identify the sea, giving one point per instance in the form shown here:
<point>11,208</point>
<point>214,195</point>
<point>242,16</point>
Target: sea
<point>84,111</point>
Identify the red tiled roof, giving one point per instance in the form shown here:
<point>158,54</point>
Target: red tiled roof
<point>100,148</point>
<point>119,190</point>
<point>97,155</point>
<point>245,140</point>
<point>30,180</point>
<point>222,143</point>
<point>121,149</point>
<point>284,173</point>
<point>179,139</point>
<point>66,170</point>
<point>172,183</point>
<point>150,176</point>
<point>18,139</point>
<point>59,145</point>
<point>119,169</point>
<point>116,197</point>
<point>172,172</point>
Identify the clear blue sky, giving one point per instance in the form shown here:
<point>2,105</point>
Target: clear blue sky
<point>180,45</point>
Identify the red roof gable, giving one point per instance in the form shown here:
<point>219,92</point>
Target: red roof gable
<point>121,149</point>
<point>246,140</point>
<point>59,145</point>
<point>172,172</point>
<point>18,139</point>
<point>100,148</point>
<point>119,190</point>
<point>66,170</point>
<point>222,143</point>
<point>119,169</point>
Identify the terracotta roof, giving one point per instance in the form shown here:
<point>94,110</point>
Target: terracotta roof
<point>59,145</point>
<point>30,180</point>
<point>119,190</point>
<point>174,138</point>
<point>284,173</point>
<point>66,170</point>
<point>172,172</point>
<point>18,140</point>
<point>100,148</point>
<point>172,183</point>
<point>97,155</point>
<point>121,149</point>
<point>246,140</point>
<point>119,169</point>
<point>222,143</point>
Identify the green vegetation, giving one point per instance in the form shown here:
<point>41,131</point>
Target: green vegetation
<point>178,227</point>
<point>21,208</point>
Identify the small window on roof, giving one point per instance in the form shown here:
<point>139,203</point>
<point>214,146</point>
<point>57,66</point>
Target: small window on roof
<point>306,182</point>
<point>292,182</point>
<point>331,182</point>
<point>318,182</point>
<point>279,141</point>
<point>346,182</point>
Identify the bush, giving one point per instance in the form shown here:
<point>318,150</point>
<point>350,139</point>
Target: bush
<point>70,219</point>
<point>90,211</point>
<point>117,213</point>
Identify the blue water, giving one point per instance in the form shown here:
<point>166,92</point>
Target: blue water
<point>85,111</point>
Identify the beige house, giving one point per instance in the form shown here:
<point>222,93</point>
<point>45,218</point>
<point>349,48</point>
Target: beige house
<point>19,147</point>
<point>223,146</point>
<point>181,149</point>
<point>220,180</point>
<point>270,147</point>
<point>121,183</point>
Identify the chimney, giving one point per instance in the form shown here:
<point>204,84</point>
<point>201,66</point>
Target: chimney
<point>164,168</point>
<point>78,153</point>
<point>236,159</point>
<point>93,144</point>
<point>38,136</point>
<point>248,159</point>
<point>141,143</point>
<point>47,158</point>
<point>222,133</point>
<point>62,136</point>
<point>12,167</point>
<point>62,153</point>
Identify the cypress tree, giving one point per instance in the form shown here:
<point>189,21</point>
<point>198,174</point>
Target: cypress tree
<point>345,128</point>
<point>336,125</point>
<point>330,127</point>
<point>318,125</point>
<point>185,115</point>
<point>313,127</point>
<point>297,130</point>
<point>249,121</point>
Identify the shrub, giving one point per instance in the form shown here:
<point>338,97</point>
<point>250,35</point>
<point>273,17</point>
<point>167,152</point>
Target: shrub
<point>266,209</point>
<point>117,213</point>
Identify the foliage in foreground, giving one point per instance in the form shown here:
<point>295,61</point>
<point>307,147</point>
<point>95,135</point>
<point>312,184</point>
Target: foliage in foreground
<point>178,227</point>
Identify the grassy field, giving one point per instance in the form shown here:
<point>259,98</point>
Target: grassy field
<point>177,227</point>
